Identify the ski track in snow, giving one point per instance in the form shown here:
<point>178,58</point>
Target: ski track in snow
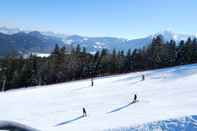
<point>167,100</point>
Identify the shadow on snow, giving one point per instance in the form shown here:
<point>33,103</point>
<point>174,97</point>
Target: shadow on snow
<point>122,107</point>
<point>69,121</point>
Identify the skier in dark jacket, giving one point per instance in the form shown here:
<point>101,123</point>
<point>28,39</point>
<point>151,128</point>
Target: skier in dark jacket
<point>84,112</point>
<point>143,77</point>
<point>135,98</point>
<point>92,82</point>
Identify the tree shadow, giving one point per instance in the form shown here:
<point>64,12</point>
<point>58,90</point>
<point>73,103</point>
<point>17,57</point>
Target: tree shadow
<point>69,121</point>
<point>135,82</point>
<point>128,78</point>
<point>81,88</point>
<point>122,107</point>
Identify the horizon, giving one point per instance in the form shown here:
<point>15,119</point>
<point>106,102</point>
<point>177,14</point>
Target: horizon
<point>66,34</point>
<point>122,19</point>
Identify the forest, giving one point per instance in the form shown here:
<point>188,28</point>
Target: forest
<point>63,65</point>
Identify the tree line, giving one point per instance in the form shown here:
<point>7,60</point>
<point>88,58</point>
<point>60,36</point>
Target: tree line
<point>63,65</point>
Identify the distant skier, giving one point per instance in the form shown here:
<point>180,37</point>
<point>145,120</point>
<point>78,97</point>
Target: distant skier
<point>135,98</point>
<point>143,77</point>
<point>92,82</point>
<point>84,112</point>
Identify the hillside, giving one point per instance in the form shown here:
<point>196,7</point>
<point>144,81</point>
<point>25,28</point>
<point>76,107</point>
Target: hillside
<point>167,100</point>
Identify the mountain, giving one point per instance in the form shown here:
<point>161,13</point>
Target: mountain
<point>43,42</point>
<point>94,44</point>
<point>169,35</point>
<point>28,42</point>
<point>9,31</point>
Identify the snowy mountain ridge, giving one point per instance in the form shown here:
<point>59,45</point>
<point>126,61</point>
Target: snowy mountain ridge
<point>10,31</point>
<point>169,35</point>
<point>93,44</point>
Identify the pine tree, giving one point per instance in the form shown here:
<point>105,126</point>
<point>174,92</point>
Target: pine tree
<point>155,52</point>
<point>114,62</point>
<point>128,61</point>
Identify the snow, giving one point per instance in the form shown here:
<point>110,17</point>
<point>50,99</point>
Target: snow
<point>166,96</point>
<point>99,45</point>
<point>180,124</point>
<point>41,54</point>
<point>85,39</point>
<point>69,42</point>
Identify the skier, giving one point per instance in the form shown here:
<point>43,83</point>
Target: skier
<point>135,98</point>
<point>84,112</point>
<point>143,77</point>
<point>92,82</point>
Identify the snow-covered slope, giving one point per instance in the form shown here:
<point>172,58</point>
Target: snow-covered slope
<point>166,97</point>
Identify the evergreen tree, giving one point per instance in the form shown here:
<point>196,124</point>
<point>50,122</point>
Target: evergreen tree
<point>114,62</point>
<point>128,61</point>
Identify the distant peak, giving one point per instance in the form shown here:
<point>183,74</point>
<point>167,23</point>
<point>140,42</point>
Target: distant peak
<point>9,31</point>
<point>170,35</point>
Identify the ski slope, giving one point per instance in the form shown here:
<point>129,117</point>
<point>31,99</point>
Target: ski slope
<point>167,100</point>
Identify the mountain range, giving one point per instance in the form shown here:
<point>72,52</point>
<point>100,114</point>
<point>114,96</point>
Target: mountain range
<point>44,42</point>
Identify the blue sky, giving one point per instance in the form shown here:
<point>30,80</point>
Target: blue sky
<point>118,18</point>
